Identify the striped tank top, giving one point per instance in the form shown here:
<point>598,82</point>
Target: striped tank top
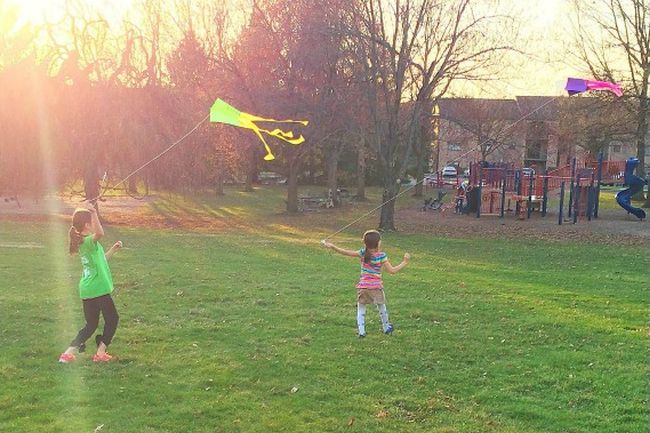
<point>371,272</point>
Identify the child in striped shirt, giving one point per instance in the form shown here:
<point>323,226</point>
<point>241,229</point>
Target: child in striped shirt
<point>370,289</point>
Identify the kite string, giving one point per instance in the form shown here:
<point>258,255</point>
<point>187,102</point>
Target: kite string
<point>457,159</point>
<point>506,128</point>
<point>155,158</point>
<point>373,210</point>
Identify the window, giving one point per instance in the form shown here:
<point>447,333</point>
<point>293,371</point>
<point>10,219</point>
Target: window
<point>536,149</point>
<point>453,147</point>
<point>616,148</point>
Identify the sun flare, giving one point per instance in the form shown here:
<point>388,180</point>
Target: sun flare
<point>19,13</point>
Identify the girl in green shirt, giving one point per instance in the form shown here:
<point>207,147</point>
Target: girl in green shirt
<point>96,284</point>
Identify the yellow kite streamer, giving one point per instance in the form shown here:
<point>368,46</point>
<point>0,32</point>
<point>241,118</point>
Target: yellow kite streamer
<point>223,112</point>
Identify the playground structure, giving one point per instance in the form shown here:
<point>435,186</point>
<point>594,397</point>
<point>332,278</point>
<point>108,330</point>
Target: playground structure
<point>636,184</point>
<point>506,189</point>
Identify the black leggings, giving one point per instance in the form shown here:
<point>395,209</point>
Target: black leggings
<point>92,308</point>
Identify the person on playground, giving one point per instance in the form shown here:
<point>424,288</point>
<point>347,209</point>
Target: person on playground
<point>96,283</point>
<point>370,289</point>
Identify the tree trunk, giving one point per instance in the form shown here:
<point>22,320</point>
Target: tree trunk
<point>641,132</point>
<point>332,169</point>
<point>91,180</point>
<point>251,173</point>
<point>292,187</point>
<point>312,169</point>
<point>361,174</point>
<point>133,185</point>
<point>92,188</point>
<point>422,164</point>
<point>391,174</point>
<point>218,186</point>
<point>391,188</point>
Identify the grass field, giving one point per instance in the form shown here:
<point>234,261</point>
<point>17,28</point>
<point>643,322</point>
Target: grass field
<point>254,331</point>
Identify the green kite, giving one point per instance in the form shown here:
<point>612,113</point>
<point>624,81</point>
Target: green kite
<point>223,112</point>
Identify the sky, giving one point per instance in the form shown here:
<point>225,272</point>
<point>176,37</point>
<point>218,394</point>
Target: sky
<point>39,11</point>
<point>542,71</point>
<point>544,68</point>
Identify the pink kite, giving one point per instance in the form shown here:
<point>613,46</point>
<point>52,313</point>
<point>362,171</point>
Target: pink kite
<point>578,85</point>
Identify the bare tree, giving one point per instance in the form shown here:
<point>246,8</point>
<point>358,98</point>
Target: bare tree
<point>413,50</point>
<point>613,39</point>
<point>488,121</point>
<point>287,58</point>
<point>593,123</point>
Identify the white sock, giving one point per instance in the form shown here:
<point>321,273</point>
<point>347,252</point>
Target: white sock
<point>383,313</point>
<point>361,318</point>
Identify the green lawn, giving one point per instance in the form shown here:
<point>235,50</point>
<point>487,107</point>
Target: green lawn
<point>254,331</point>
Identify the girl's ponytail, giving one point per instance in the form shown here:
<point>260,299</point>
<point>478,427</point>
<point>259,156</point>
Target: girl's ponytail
<point>367,256</point>
<point>80,218</point>
<point>371,240</point>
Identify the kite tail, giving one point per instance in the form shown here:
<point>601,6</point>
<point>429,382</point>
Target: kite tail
<point>285,136</point>
<point>269,155</point>
<point>252,118</point>
<point>604,85</point>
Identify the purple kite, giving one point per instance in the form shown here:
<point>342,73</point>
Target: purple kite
<point>578,85</point>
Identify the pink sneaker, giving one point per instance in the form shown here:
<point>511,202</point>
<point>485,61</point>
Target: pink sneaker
<point>66,358</point>
<point>102,358</point>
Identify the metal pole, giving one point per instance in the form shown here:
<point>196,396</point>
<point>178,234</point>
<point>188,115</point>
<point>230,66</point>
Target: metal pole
<point>590,201</point>
<point>600,178</point>
<point>471,173</point>
<point>545,197</point>
<point>559,219</point>
<point>530,194</point>
<point>480,188</point>
<point>517,189</point>
<point>503,195</point>
<point>573,176</point>
<point>576,205</point>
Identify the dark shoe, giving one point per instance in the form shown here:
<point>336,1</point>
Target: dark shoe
<point>389,329</point>
<point>362,335</point>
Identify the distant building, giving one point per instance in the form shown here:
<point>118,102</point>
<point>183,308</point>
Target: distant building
<point>529,131</point>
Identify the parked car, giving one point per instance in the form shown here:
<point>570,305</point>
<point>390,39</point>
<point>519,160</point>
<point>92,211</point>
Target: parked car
<point>450,171</point>
<point>527,171</point>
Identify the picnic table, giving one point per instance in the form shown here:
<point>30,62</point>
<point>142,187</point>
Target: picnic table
<point>314,202</point>
<point>308,203</point>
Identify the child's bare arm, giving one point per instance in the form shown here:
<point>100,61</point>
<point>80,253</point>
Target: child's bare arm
<point>343,251</point>
<point>96,226</point>
<point>116,246</point>
<point>395,269</point>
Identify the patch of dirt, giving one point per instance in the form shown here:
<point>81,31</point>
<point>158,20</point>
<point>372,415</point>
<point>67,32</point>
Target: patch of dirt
<point>613,226</point>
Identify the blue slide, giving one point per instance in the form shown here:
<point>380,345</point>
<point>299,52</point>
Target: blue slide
<point>636,184</point>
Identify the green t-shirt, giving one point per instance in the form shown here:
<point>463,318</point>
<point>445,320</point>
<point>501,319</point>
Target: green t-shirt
<point>96,278</point>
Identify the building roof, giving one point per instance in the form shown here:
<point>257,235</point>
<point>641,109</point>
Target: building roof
<point>538,108</point>
<point>466,110</point>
